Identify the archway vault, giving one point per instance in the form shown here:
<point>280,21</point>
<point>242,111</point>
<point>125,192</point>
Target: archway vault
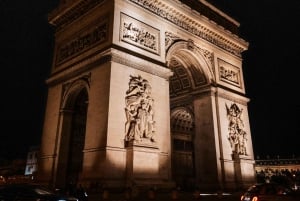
<point>192,68</point>
<point>192,74</point>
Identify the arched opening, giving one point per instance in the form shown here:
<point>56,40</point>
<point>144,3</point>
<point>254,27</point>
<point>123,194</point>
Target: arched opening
<point>182,127</point>
<point>77,137</point>
<point>191,78</point>
<point>72,141</point>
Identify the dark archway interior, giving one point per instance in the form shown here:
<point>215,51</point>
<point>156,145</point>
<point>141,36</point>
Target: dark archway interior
<point>188,78</point>
<point>77,137</point>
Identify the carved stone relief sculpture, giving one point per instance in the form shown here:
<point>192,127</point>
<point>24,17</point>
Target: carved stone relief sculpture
<point>229,73</point>
<point>139,111</point>
<point>236,134</point>
<point>82,41</point>
<point>139,34</point>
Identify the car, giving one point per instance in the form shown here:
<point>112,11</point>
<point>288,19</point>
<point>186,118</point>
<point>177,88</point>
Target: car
<point>31,192</point>
<point>269,192</point>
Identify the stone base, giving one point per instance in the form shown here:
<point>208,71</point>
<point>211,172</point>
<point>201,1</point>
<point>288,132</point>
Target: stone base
<point>144,142</point>
<point>143,165</point>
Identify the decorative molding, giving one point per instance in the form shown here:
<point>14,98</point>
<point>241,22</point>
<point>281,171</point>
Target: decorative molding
<point>194,27</point>
<point>69,71</point>
<point>229,73</point>
<point>139,34</point>
<point>83,40</point>
<point>224,94</point>
<point>140,64</point>
<point>171,38</point>
<point>65,14</point>
<point>74,84</point>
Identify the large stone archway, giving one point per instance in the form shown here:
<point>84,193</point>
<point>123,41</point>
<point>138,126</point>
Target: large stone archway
<point>164,84</point>
<point>190,81</point>
<point>73,116</point>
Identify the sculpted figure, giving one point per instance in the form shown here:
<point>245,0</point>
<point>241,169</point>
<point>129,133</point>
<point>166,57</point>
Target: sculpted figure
<point>236,134</point>
<point>139,111</point>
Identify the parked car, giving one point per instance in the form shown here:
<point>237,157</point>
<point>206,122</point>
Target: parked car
<point>269,192</point>
<point>31,192</point>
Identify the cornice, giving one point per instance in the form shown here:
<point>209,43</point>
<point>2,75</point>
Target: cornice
<point>222,93</point>
<point>65,14</point>
<point>278,162</point>
<point>140,64</point>
<point>107,56</point>
<point>234,45</point>
<point>71,70</point>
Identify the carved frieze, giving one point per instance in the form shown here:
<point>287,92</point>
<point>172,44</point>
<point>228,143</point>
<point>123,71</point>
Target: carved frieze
<point>229,73</point>
<point>83,40</point>
<point>67,12</point>
<point>139,34</point>
<point>190,25</point>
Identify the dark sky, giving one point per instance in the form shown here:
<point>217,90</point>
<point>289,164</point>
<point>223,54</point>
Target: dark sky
<point>270,68</point>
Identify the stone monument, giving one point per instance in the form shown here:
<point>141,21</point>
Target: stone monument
<point>146,93</point>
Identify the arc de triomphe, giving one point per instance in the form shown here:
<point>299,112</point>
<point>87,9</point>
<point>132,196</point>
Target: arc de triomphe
<point>146,93</point>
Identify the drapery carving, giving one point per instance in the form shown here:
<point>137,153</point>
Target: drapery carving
<point>139,111</point>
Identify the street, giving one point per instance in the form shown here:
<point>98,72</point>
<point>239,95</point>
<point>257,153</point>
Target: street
<point>164,196</point>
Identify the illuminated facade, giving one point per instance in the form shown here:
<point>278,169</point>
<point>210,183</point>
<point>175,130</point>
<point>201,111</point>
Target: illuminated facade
<point>286,171</point>
<point>146,93</point>
<point>32,161</point>
<point>271,167</point>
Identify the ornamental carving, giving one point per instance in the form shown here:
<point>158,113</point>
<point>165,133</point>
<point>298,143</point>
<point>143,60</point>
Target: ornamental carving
<point>229,73</point>
<point>82,41</point>
<point>139,34</point>
<point>237,136</point>
<point>71,12</point>
<point>78,83</point>
<point>190,25</point>
<point>140,124</point>
<point>171,38</point>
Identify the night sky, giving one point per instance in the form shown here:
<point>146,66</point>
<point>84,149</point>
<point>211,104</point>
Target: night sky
<point>270,68</point>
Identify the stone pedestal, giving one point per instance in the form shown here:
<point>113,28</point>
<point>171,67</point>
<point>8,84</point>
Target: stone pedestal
<point>244,170</point>
<point>142,162</point>
<point>143,165</point>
